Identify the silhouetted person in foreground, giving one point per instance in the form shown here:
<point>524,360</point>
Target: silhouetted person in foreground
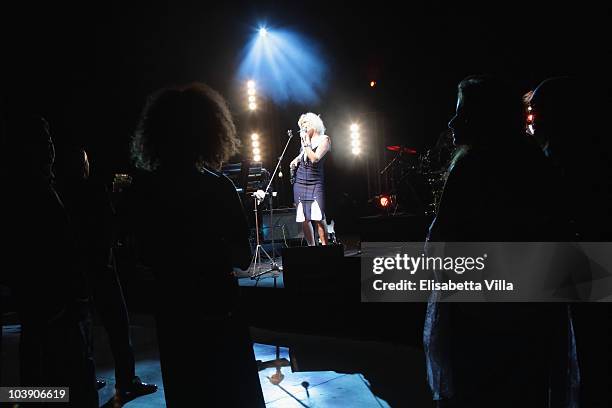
<point>191,229</point>
<point>91,214</point>
<point>495,354</point>
<point>51,293</point>
<point>570,117</point>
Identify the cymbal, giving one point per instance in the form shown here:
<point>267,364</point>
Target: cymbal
<point>396,148</point>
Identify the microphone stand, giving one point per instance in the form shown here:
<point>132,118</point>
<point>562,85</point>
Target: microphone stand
<point>255,274</point>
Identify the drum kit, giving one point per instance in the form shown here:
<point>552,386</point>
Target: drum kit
<point>417,179</point>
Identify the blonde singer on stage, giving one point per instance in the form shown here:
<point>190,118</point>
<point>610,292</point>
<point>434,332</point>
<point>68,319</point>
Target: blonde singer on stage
<point>308,188</point>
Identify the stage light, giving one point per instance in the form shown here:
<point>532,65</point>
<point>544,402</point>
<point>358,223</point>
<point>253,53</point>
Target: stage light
<point>384,201</point>
<point>355,139</point>
<point>256,147</point>
<point>252,100</point>
<point>372,84</point>
<point>530,118</point>
<point>286,66</point>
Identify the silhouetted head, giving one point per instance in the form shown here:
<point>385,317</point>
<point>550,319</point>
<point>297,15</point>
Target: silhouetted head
<point>557,118</point>
<point>184,128</point>
<point>489,110</point>
<point>571,117</point>
<point>28,148</point>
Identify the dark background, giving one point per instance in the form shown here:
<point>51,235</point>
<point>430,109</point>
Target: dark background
<point>89,68</point>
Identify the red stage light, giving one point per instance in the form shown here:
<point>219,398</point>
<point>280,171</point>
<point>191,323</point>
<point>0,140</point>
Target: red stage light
<point>530,118</point>
<point>384,201</point>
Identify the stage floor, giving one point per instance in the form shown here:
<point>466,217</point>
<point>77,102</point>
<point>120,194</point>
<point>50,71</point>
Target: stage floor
<point>392,375</point>
<point>266,280</point>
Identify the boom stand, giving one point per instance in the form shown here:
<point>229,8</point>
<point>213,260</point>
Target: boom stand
<point>256,260</point>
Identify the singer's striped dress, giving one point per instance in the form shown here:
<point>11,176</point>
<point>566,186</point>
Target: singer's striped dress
<point>308,190</point>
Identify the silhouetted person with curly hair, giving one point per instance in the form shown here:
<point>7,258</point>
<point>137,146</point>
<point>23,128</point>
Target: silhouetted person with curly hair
<point>191,230</point>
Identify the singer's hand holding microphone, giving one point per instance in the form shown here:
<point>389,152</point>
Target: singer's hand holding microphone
<point>305,135</point>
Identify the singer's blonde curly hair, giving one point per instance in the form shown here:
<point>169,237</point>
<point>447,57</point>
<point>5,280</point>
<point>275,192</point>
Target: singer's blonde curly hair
<point>313,120</point>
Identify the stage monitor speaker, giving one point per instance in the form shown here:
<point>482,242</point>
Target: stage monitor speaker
<point>320,269</point>
<point>284,225</point>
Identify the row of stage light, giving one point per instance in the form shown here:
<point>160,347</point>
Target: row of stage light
<point>255,147</point>
<point>355,139</point>
<point>251,95</point>
<point>251,91</point>
<point>255,142</point>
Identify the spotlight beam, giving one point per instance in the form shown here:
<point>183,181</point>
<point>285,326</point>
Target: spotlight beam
<point>287,67</point>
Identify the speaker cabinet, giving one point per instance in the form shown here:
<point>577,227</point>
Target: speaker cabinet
<point>283,226</point>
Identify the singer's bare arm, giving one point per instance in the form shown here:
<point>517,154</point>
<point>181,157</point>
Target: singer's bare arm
<point>321,150</point>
